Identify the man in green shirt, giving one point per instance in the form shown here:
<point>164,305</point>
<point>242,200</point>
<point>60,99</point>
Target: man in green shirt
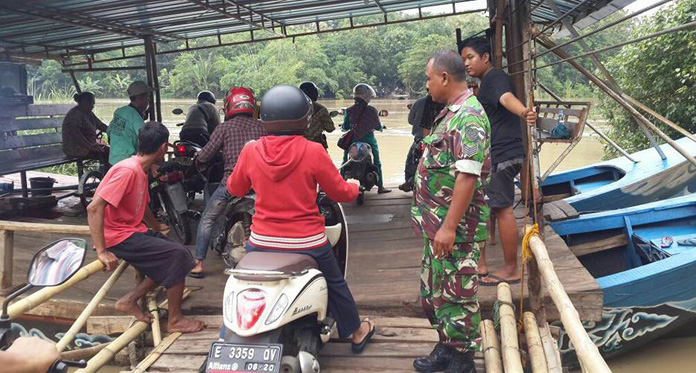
<point>450,213</point>
<point>124,127</point>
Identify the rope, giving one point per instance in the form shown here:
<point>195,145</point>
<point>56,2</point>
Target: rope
<point>496,311</point>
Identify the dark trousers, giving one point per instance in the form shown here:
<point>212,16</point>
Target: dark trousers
<point>412,159</point>
<point>341,304</point>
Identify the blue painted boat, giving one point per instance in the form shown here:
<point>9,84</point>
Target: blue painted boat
<point>619,183</point>
<point>649,286</point>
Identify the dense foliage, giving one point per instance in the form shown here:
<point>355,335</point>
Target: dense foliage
<point>659,72</point>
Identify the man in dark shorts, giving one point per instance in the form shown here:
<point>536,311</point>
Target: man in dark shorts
<point>116,219</point>
<point>504,111</point>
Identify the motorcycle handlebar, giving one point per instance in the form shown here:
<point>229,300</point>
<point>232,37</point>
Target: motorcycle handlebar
<point>62,366</point>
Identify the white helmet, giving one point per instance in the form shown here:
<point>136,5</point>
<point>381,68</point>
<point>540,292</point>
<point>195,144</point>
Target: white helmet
<point>364,91</point>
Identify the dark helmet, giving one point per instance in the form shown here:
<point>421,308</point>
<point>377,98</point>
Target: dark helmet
<point>206,96</point>
<point>285,110</point>
<point>310,89</point>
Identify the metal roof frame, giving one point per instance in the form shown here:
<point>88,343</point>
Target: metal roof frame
<point>74,31</point>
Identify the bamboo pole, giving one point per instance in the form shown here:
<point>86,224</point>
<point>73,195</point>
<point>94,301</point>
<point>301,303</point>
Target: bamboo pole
<point>87,312</point>
<point>512,361</point>
<point>26,304</point>
<point>491,347</point>
<point>536,349</point>
<point>156,333</point>
<point>553,357</point>
<point>587,352</point>
<point>547,43</point>
<point>81,230</point>
<point>105,355</point>
<point>156,353</point>
<point>659,116</point>
<point>83,353</point>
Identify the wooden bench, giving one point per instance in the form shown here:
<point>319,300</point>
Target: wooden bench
<point>574,118</point>
<point>30,138</point>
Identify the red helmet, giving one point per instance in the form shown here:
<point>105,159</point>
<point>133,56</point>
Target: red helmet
<point>239,100</point>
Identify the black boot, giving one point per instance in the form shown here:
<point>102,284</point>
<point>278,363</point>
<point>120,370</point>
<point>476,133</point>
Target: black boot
<point>461,362</point>
<point>438,359</point>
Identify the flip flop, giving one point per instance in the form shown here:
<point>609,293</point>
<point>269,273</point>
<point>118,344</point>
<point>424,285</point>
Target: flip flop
<point>666,242</point>
<point>687,242</point>
<point>196,274</point>
<point>498,280</point>
<point>359,347</point>
<point>483,274</point>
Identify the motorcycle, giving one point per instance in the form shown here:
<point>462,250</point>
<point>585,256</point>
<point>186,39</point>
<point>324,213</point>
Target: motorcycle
<point>53,265</point>
<point>276,307</point>
<point>361,167</point>
<point>168,200</point>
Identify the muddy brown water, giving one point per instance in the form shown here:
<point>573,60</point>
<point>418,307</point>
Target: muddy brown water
<point>667,355</point>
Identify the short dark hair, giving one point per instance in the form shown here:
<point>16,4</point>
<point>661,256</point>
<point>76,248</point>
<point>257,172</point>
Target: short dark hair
<point>451,62</point>
<point>151,136</point>
<point>83,96</point>
<point>133,98</point>
<point>479,44</point>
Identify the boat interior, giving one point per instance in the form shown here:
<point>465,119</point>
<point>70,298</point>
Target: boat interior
<point>581,181</point>
<point>640,241</point>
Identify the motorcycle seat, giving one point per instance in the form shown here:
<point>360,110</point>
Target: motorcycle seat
<point>282,262</point>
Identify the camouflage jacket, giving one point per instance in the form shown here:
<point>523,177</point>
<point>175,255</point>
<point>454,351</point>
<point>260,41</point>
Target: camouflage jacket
<point>459,142</point>
<point>321,121</point>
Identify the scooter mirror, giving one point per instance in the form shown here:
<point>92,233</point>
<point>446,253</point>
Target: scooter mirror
<point>57,262</point>
<point>383,113</point>
<point>409,106</point>
<point>333,113</point>
<point>177,111</point>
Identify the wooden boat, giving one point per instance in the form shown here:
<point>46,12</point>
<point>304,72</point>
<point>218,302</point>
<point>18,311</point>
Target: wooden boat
<point>620,183</point>
<point>648,285</point>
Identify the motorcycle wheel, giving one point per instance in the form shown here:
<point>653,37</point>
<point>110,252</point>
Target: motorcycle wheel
<point>179,223</point>
<point>88,185</point>
<point>290,364</point>
<point>237,235</point>
<point>361,198</point>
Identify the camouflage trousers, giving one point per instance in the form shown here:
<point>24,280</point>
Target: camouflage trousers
<point>448,295</point>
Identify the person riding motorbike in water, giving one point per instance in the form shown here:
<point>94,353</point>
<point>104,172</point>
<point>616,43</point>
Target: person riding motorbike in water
<point>363,119</point>
<point>285,169</point>
<point>239,128</point>
<point>201,120</point>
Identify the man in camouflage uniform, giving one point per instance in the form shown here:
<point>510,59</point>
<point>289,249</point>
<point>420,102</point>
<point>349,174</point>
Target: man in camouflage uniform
<point>450,212</point>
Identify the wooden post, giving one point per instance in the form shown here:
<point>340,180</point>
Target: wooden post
<point>587,352</point>
<point>6,258</point>
<point>498,45</point>
<point>512,362</point>
<point>87,312</point>
<point>491,347</point>
<point>536,349</point>
<point>148,67</point>
<point>28,303</point>
<point>23,176</point>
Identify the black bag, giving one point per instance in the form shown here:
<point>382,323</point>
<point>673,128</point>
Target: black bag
<point>345,140</point>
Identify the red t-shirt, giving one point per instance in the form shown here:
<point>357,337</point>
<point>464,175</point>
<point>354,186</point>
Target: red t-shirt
<point>284,171</point>
<point>124,188</point>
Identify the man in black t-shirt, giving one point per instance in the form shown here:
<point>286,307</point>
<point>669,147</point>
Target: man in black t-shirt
<point>504,111</point>
<point>421,116</point>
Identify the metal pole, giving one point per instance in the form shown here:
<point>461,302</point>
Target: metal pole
<point>148,69</point>
<point>597,130</point>
<point>548,44</point>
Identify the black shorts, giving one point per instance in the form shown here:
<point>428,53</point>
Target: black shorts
<point>501,189</point>
<point>153,254</point>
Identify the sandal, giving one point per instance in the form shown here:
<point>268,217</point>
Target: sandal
<point>359,347</point>
<point>498,280</point>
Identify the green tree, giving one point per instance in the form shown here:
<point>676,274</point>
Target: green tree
<point>412,69</point>
<point>660,72</point>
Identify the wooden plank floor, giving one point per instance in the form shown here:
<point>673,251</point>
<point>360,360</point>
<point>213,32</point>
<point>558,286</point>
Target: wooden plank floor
<point>383,272</point>
<point>396,343</point>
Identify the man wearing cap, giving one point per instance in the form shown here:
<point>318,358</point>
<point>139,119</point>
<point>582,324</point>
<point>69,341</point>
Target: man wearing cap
<point>123,129</point>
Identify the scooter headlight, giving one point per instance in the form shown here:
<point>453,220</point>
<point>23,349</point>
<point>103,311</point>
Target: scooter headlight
<point>228,309</point>
<point>277,310</point>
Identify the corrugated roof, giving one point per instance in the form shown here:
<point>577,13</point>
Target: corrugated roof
<point>57,29</point>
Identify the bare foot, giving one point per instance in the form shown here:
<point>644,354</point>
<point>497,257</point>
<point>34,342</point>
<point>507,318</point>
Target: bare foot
<point>184,325</point>
<point>130,307</point>
<point>482,270</point>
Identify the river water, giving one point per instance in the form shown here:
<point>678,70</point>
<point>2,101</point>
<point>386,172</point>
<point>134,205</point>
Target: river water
<point>667,355</point>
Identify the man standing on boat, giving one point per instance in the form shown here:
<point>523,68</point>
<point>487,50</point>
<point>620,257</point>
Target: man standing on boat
<point>123,129</point>
<point>504,111</point>
<point>117,217</point>
<point>449,211</point>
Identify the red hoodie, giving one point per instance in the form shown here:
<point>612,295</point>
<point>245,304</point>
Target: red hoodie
<point>284,172</point>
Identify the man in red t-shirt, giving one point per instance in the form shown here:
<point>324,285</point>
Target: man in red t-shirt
<point>117,217</point>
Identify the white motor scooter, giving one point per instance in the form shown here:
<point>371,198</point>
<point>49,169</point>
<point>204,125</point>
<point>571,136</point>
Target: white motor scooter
<point>275,308</point>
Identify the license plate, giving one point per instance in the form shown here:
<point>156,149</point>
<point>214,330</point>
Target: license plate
<point>229,357</point>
